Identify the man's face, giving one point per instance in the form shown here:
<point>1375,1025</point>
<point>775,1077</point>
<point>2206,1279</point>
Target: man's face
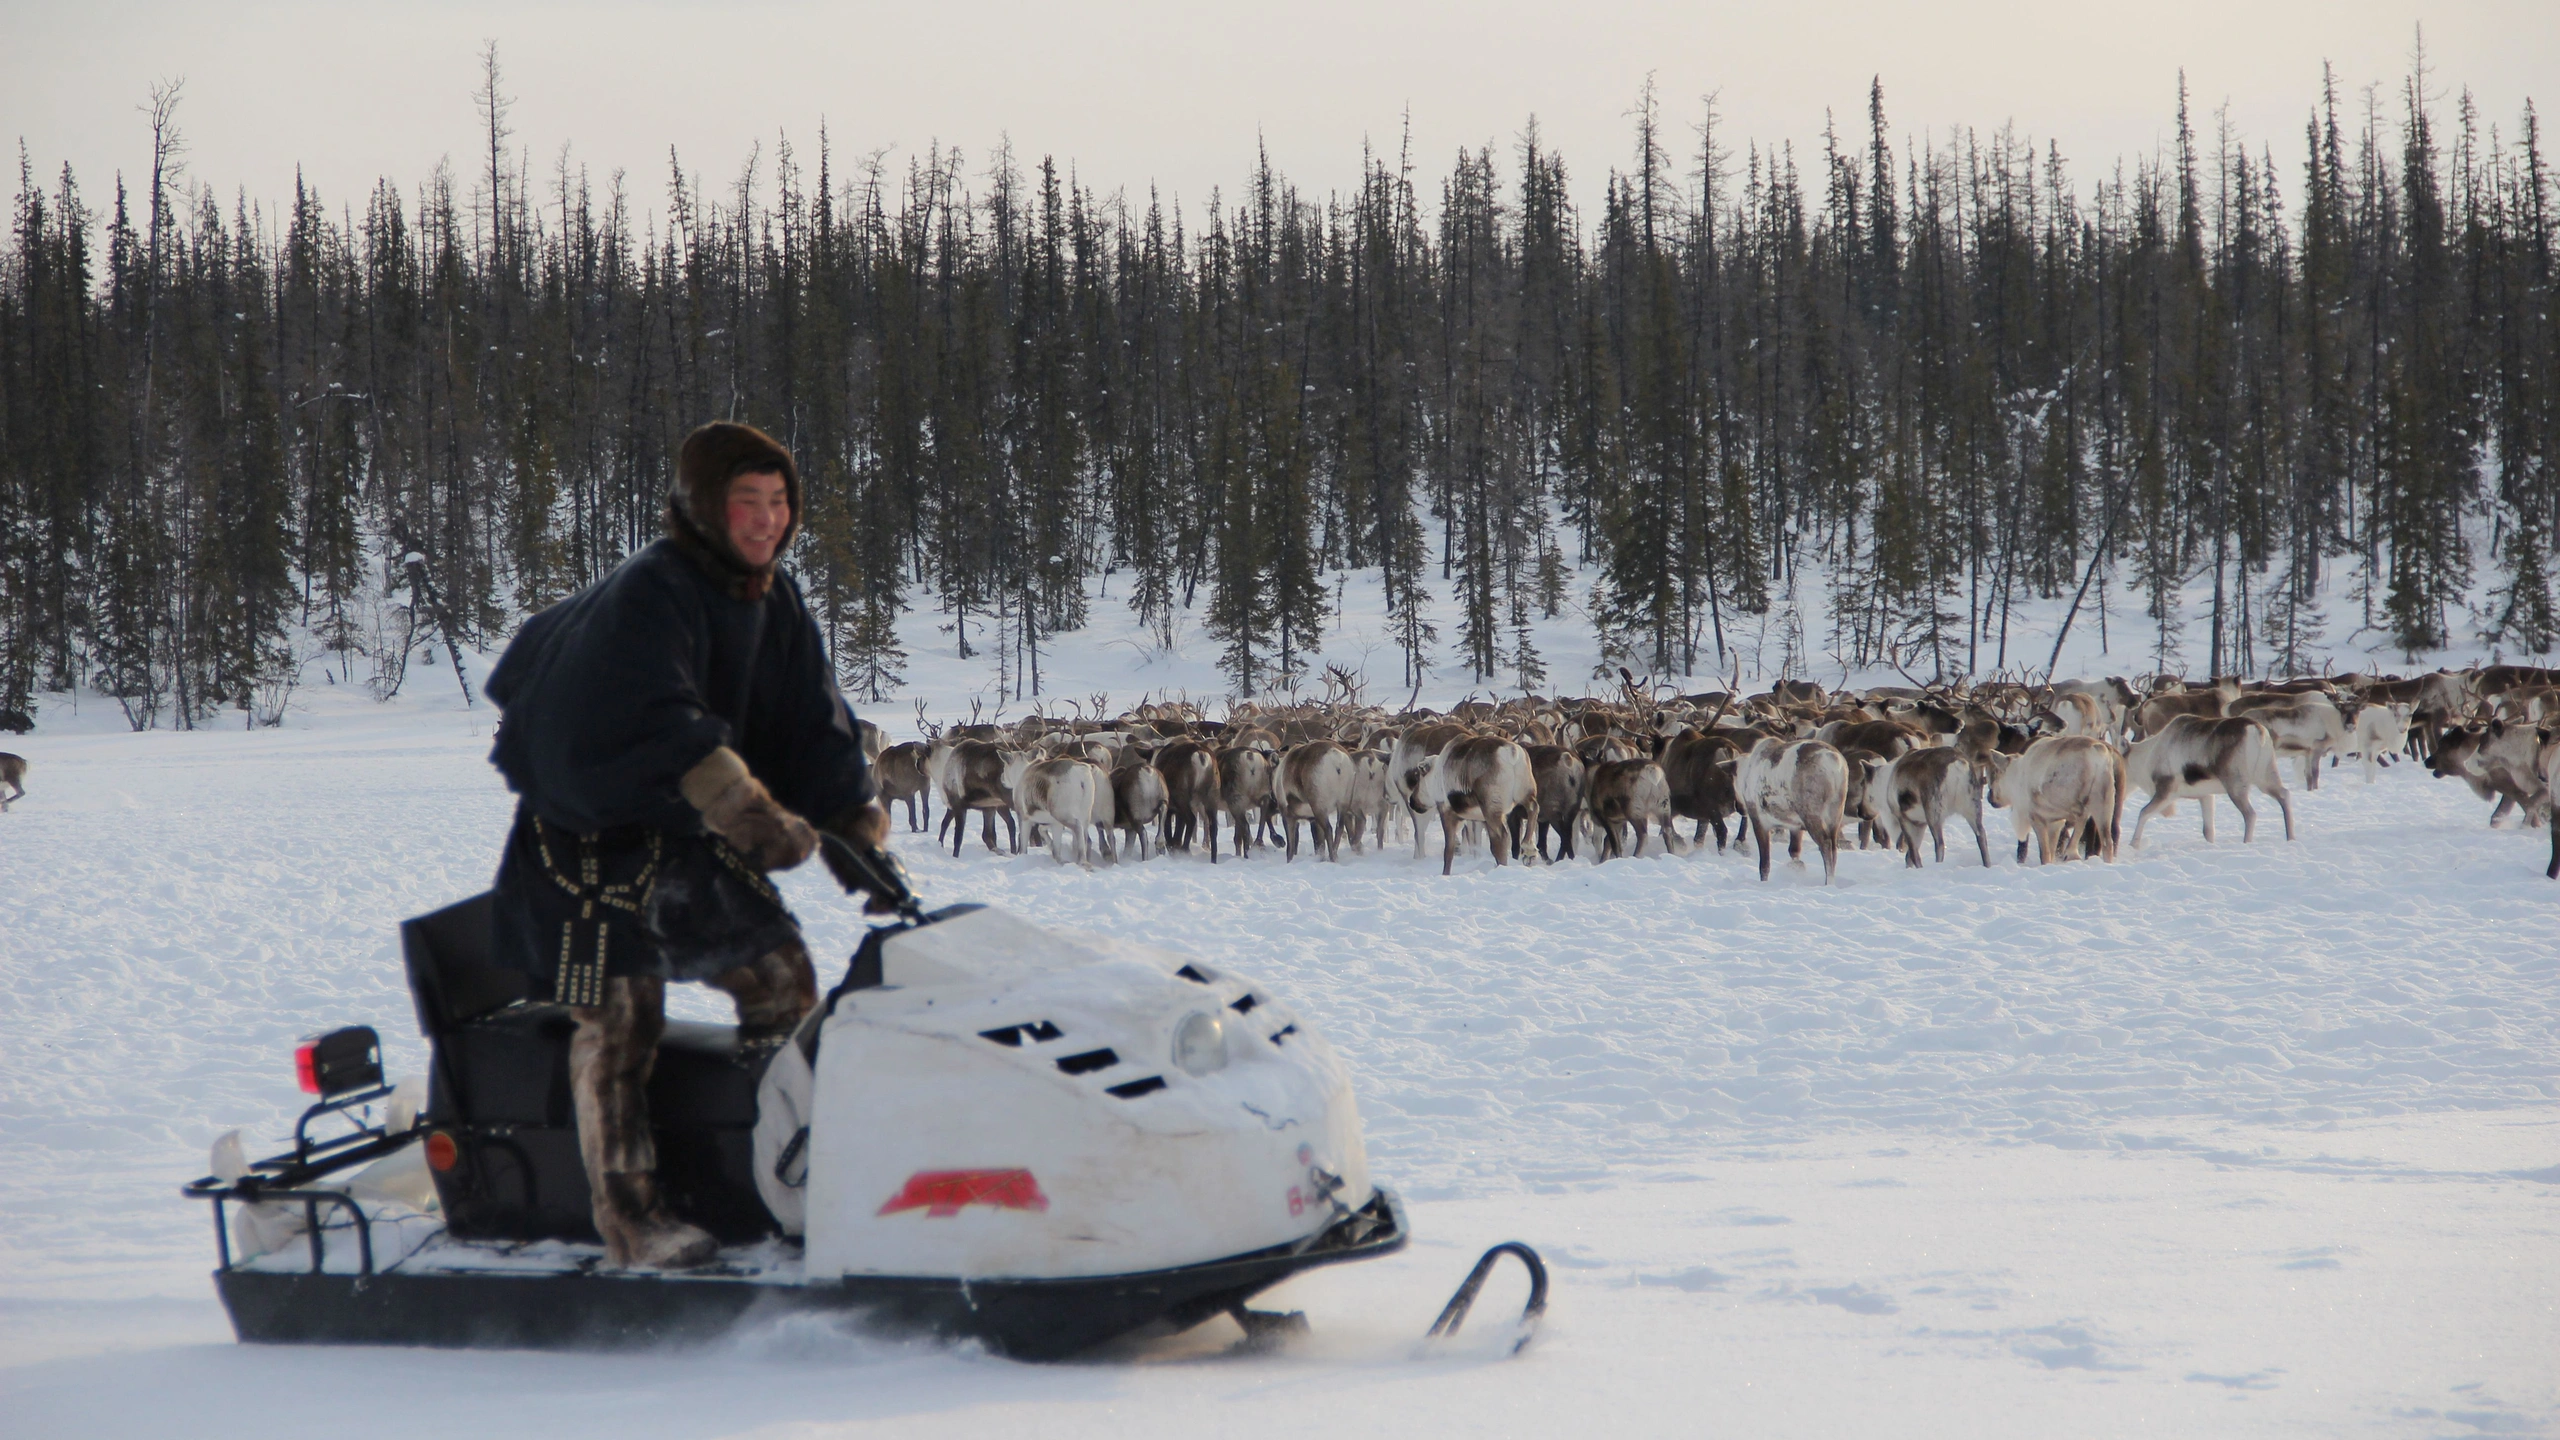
<point>759,513</point>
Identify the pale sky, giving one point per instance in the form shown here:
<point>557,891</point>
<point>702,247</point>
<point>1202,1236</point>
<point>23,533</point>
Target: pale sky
<point>1181,93</point>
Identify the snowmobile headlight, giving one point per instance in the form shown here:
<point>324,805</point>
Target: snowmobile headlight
<point>1200,1043</point>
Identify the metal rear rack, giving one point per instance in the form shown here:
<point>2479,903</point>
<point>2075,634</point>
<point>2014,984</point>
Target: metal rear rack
<point>288,1177</point>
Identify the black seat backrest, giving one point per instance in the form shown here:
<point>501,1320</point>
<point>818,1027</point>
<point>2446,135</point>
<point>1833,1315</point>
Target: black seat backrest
<point>450,975</point>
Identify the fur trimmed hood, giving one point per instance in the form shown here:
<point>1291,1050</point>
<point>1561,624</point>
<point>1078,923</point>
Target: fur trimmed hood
<point>697,516</point>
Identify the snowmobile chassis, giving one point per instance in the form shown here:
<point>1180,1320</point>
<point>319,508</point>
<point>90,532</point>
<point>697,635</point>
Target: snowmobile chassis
<point>590,1307</point>
<point>535,1292</point>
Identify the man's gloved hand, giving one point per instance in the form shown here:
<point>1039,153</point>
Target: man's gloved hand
<point>736,807</point>
<point>867,827</point>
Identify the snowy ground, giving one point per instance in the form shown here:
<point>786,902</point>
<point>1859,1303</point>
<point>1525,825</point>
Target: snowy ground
<point>2227,1140</point>
<point>2217,1141</point>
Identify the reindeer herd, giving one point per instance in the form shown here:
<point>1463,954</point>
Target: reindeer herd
<point>1562,777</point>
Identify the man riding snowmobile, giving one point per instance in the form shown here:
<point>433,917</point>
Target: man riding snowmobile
<point>666,730</point>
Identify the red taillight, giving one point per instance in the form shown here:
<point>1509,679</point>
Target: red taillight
<point>306,1068</point>
<point>441,1151</point>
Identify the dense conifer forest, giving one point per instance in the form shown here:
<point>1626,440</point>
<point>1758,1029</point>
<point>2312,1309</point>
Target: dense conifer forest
<point>239,435</point>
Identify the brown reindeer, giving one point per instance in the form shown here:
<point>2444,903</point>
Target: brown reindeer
<point>13,773</point>
<point>1918,791</point>
<point>1888,738</point>
<point>1698,768</point>
<point>1137,796</point>
<point>1244,788</point>
<point>1630,794</point>
<point>903,777</point>
<point>1190,774</point>
<point>1560,775</point>
<point>973,779</point>
<point>2155,713</point>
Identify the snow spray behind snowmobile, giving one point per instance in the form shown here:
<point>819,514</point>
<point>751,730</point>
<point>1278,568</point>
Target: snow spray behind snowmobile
<point>988,1129</point>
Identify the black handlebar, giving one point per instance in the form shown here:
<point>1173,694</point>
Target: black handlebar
<point>866,867</point>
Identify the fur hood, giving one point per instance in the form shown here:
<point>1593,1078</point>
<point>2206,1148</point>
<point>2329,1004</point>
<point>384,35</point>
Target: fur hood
<point>697,516</point>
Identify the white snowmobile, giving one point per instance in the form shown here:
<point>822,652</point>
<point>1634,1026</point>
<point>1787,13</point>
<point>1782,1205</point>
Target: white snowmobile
<point>1041,1140</point>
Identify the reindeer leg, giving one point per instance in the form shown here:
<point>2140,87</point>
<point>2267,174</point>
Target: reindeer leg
<point>2140,819</point>
<point>1448,842</point>
<point>1760,833</point>
<point>2284,802</point>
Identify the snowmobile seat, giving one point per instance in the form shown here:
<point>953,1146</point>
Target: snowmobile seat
<point>498,1082</point>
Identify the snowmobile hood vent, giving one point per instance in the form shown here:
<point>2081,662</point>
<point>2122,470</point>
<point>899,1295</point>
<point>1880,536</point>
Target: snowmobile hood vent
<point>1033,1033</point>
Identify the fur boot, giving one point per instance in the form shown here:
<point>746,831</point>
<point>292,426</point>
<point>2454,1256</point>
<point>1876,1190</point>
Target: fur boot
<point>609,1062</point>
<point>772,994</point>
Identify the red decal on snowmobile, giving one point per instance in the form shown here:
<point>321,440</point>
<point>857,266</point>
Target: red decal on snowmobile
<point>943,1193</point>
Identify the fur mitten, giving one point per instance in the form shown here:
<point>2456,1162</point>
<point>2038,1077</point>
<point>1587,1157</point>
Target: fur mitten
<point>736,807</point>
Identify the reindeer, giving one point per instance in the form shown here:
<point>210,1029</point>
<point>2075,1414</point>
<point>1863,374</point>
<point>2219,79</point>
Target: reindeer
<point>1864,801</point>
<point>2160,709</point>
<point>1137,796</point>
<point>1919,790</point>
<point>2072,712</point>
<point>1371,800</point>
<point>973,778</point>
<point>1190,772</point>
<point>1483,778</point>
<point>1069,795</point>
<point>2192,755</point>
<point>1631,794</point>
<point>2066,792</point>
<point>2498,761</point>
<point>1601,748</point>
<point>1560,776</point>
<point>1794,788</point>
<point>2114,698</point>
<point>1888,738</point>
<point>1411,759</point>
<point>1314,784</point>
<point>13,773</point>
<point>1699,768</point>
<point>2307,724</point>
<point>903,777</point>
<point>2378,731</point>
<point>1244,787</point>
